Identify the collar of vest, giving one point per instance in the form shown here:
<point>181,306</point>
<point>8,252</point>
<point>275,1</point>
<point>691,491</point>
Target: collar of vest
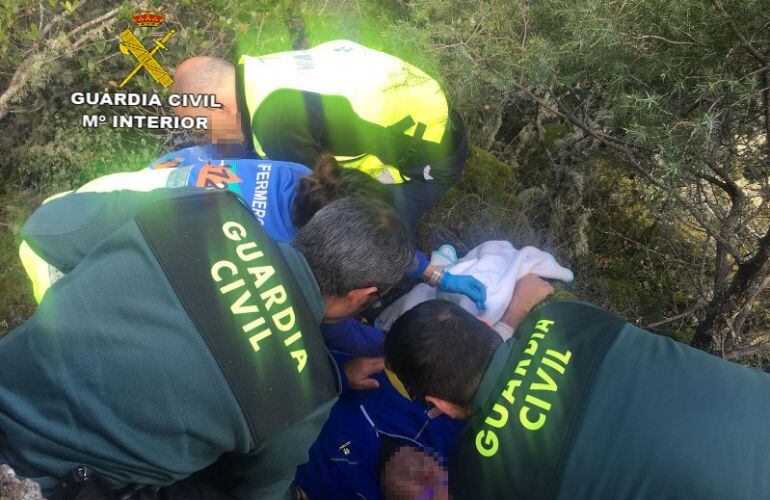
<point>491,377</point>
<point>243,109</point>
<point>304,276</point>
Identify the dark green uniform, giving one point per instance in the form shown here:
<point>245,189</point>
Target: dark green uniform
<point>178,335</point>
<point>588,406</point>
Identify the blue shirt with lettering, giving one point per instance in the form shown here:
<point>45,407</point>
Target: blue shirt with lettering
<point>267,187</point>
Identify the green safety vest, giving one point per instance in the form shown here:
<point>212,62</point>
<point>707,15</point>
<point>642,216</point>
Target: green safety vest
<point>381,89</point>
<point>515,446</point>
<point>241,294</point>
<point>187,301</point>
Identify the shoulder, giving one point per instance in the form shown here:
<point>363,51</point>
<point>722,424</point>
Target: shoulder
<point>179,158</point>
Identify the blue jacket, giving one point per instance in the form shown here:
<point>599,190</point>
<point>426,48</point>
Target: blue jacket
<point>207,152</point>
<point>343,461</point>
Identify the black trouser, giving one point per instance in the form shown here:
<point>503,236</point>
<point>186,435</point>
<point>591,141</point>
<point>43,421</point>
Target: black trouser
<point>413,198</point>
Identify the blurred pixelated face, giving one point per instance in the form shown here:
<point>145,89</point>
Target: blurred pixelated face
<point>414,474</point>
<point>224,124</point>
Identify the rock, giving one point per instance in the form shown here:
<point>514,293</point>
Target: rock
<point>13,488</point>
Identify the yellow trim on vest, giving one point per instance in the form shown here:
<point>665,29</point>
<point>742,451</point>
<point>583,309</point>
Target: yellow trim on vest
<point>381,88</point>
<point>373,166</point>
<point>141,180</point>
<point>41,273</point>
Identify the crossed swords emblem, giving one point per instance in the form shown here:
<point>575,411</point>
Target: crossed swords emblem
<point>146,58</point>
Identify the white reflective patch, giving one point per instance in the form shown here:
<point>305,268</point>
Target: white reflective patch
<point>426,173</point>
<point>386,177</point>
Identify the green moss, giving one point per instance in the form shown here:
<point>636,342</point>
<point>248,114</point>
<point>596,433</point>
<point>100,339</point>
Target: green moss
<point>16,300</point>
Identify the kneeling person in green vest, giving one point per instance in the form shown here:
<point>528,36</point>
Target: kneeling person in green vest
<point>583,405</point>
<point>187,337</point>
<point>372,111</point>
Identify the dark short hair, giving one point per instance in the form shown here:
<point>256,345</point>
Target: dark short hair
<point>439,349</point>
<point>355,243</point>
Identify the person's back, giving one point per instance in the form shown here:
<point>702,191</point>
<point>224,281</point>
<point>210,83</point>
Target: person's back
<point>586,405</point>
<point>372,87</point>
<point>140,362</point>
<point>116,347</point>
<point>372,111</point>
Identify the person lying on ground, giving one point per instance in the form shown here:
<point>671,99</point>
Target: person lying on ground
<point>363,427</point>
<point>186,337</point>
<point>344,459</point>
<point>581,404</point>
<point>390,120</point>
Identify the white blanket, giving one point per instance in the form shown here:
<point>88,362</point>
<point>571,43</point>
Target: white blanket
<point>497,264</point>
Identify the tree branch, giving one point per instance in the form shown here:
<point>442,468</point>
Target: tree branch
<point>656,37</point>
<point>737,32</point>
<point>688,312</point>
<point>625,148</point>
<point>22,70</point>
<point>90,23</point>
<point>762,59</point>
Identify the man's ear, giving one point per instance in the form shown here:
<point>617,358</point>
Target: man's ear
<point>360,296</point>
<point>450,409</point>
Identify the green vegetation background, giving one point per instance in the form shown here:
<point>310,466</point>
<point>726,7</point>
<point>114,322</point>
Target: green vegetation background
<point>533,176</point>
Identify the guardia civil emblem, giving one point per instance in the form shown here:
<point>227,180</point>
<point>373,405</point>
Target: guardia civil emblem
<point>131,46</point>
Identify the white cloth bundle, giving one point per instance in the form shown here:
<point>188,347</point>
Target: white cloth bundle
<point>497,264</point>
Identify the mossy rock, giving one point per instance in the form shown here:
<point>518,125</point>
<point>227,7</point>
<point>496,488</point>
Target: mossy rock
<point>489,178</point>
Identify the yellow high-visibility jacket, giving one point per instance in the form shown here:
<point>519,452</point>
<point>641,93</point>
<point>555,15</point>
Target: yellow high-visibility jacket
<point>371,110</point>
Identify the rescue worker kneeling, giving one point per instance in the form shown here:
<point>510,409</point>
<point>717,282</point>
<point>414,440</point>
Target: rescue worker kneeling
<point>583,405</point>
<point>371,110</point>
<point>186,337</point>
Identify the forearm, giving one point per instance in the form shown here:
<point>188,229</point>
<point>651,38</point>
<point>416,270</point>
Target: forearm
<point>530,290</point>
<point>514,313</point>
<point>433,275</point>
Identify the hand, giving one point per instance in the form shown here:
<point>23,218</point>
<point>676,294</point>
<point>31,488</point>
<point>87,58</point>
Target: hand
<point>358,371</point>
<point>530,290</point>
<point>466,285</point>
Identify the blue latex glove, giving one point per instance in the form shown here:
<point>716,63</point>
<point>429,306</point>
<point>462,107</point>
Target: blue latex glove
<point>466,285</point>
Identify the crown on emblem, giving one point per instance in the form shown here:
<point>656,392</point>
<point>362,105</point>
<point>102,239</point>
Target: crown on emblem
<point>148,19</point>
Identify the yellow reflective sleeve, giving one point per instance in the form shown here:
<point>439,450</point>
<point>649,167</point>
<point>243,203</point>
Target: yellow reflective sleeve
<point>374,167</point>
<point>41,273</point>
<point>141,180</point>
